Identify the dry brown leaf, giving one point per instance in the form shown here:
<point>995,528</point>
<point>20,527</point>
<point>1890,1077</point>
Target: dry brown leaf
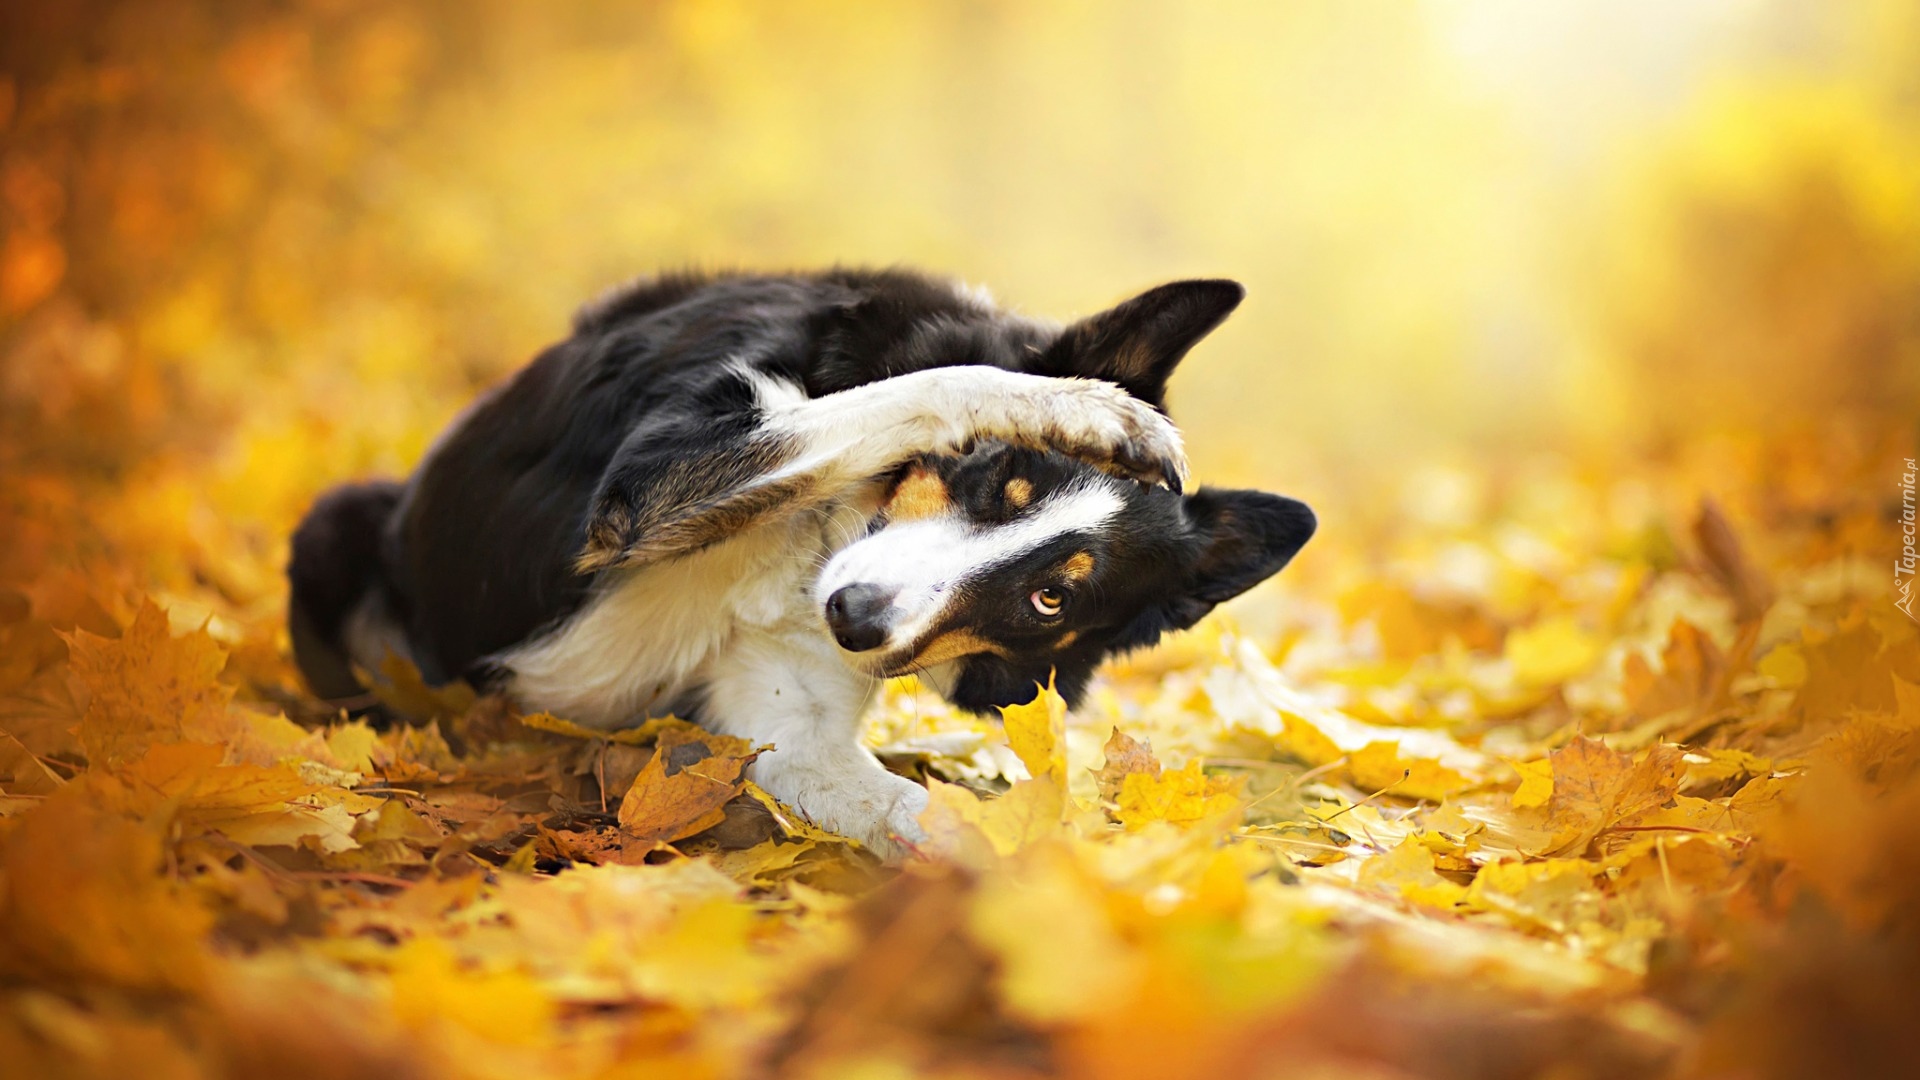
<point>1125,756</point>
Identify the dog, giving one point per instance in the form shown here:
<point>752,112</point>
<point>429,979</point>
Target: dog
<point>749,499</point>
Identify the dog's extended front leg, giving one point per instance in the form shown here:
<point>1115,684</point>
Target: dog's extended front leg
<point>670,492</point>
<point>791,690</point>
<point>856,434</point>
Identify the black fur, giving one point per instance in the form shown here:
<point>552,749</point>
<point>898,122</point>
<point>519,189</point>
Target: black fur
<point>336,561</point>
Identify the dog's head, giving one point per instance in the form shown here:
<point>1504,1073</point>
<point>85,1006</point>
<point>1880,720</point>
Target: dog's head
<point>1008,564</point>
<point>992,568</point>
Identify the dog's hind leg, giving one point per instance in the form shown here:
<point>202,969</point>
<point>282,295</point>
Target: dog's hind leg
<point>790,690</point>
<point>336,607</point>
<point>658,499</point>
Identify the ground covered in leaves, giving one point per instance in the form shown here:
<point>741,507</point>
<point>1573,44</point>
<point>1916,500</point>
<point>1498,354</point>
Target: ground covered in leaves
<point>1524,769</point>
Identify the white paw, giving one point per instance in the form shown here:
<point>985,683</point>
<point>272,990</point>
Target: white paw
<point>903,822</point>
<point>1116,428</point>
<point>864,803</point>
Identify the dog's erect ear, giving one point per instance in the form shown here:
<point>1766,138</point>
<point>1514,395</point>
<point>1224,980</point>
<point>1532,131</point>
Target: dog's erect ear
<point>1138,343</point>
<point>1246,536</point>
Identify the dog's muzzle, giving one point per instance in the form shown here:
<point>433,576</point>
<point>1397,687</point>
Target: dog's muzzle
<point>860,616</point>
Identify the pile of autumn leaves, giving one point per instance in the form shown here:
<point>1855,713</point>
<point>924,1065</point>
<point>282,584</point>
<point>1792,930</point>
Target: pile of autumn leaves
<point>1666,824</point>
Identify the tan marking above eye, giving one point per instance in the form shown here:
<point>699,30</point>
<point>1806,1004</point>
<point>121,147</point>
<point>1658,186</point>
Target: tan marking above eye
<point>1078,568</point>
<point>1019,492</point>
<point>921,495</point>
<point>953,645</point>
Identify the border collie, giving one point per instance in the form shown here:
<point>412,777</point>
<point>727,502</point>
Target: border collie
<point>748,499</point>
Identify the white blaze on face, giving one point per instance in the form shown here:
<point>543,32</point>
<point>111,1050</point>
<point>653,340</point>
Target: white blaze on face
<point>926,561</point>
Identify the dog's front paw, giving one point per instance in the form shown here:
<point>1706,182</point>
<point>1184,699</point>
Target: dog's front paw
<point>864,803</point>
<point>1102,423</point>
<point>901,831</point>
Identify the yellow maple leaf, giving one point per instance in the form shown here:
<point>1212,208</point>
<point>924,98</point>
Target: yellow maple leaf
<point>1692,675</point>
<point>1378,766</point>
<point>189,786</point>
<point>1037,731</point>
<point>952,821</point>
<point>1029,811</point>
<point>22,772</point>
<point>1553,894</point>
<point>1183,796</point>
<point>1304,740</point>
<point>147,686</point>
<point>1536,783</point>
<point>400,687</point>
<point>977,832</point>
<point>1408,869</point>
<point>1060,956</point>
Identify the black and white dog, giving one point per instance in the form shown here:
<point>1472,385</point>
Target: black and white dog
<point>748,499</point>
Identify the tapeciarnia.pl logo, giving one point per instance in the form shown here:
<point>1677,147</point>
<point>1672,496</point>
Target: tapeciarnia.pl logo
<point>1904,565</point>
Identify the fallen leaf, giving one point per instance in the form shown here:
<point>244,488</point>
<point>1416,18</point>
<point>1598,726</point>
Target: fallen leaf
<point>1125,756</point>
<point>86,899</point>
<point>146,687</point>
<point>1692,675</point>
<point>1379,767</point>
<point>1536,783</point>
<point>641,735</point>
<point>1595,788</point>
<point>399,687</point>
<point>1182,796</point>
<point>1037,732</point>
<point>684,787</point>
<point>1408,870</point>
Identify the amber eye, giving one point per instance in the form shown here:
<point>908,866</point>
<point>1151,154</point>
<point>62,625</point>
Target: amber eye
<point>1048,601</point>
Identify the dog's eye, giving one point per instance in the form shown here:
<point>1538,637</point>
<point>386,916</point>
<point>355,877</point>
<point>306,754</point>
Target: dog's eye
<point>1048,601</point>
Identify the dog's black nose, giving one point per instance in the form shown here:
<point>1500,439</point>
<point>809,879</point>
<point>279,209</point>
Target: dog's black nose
<point>857,615</point>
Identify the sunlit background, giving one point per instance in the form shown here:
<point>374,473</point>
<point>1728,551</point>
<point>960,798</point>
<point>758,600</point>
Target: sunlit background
<point>1590,329</point>
<point>250,250</point>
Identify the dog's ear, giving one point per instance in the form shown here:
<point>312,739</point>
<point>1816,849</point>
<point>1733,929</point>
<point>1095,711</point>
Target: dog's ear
<point>1138,343</point>
<point>1245,538</point>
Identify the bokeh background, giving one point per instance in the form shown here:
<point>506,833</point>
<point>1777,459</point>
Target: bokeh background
<point>248,250</point>
<point>1591,329</point>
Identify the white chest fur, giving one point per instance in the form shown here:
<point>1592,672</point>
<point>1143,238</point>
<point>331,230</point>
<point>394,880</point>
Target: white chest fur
<point>651,635</point>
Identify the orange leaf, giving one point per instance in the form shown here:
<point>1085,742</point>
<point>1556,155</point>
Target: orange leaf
<point>146,687</point>
<point>1595,788</point>
<point>685,785</point>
